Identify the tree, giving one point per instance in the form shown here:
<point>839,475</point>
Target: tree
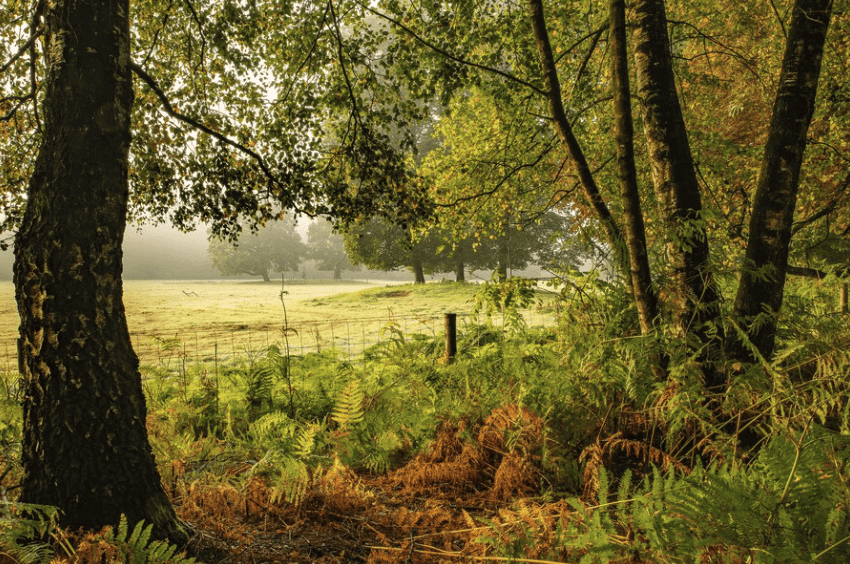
<point>382,245</point>
<point>525,85</point>
<point>85,446</point>
<point>766,261</point>
<point>67,88</point>
<point>327,246</point>
<point>276,247</point>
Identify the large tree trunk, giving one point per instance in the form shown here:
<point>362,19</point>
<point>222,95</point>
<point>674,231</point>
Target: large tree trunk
<point>418,272</point>
<point>85,444</point>
<point>693,295</point>
<point>567,138</point>
<point>265,275</point>
<point>504,259</point>
<point>635,232</point>
<point>763,277</point>
<point>460,272</point>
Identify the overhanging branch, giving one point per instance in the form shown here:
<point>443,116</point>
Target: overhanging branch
<point>24,48</point>
<point>169,109</point>
<point>450,56</point>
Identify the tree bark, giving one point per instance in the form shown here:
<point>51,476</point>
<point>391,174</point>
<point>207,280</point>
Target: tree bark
<point>418,271</point>
<point>85,445</point>
<point>460,272</point>
<point>567,138</point>
<point>265,275</point>
<point>762,284</point>
<point>635,232</point>
<point>504,259</point>
<point>693,295</point>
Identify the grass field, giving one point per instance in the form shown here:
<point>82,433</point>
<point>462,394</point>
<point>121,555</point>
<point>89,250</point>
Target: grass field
<point>199,319</point>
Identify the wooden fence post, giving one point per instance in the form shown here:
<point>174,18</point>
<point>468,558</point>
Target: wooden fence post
<point>451,336</point>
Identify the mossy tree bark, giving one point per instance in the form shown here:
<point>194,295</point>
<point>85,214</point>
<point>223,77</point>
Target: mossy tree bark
<point>634,231</point>
<point>693,296</point>
<point>762,282</point>
<point>85,444</point>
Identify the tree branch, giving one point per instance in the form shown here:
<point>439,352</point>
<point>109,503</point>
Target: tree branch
<point>807,272</point>
<point>593,44</point>
<point>169,109</point>
<point>826,210</point>
<point>22,50</point>
<point>450,56</point>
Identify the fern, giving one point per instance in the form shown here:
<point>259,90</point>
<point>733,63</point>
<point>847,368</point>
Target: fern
<point>289,477</point>
<point>348,410</point>
<point>272,430</point>
<point>22,528</point>
<point>260,385</point>
<point>136,547</point>
<point>790,505</point>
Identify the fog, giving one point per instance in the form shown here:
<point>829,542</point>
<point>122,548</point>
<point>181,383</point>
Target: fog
<point>154,252</point>
<point>164,253</point>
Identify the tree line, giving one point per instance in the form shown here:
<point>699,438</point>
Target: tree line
<point>378,244</point>
<point>701,145</point>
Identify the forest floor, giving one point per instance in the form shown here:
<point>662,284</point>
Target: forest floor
<point>452,502</point>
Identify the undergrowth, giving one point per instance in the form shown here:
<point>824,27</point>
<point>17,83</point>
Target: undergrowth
<point>551,445</point>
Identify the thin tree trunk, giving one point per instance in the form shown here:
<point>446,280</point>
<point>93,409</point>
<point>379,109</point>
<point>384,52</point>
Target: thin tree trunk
<point>568,139</point>
<point>635,232</point>
<point>694,297</point>
<point>85,445</point>
<point>766,261</point>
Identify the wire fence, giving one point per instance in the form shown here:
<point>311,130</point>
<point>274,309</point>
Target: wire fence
<point>349,338</point>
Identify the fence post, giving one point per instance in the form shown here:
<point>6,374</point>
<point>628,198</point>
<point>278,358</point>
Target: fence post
<point>451,336</point>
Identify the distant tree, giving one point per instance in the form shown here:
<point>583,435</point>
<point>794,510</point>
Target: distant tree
<point>509,246</point>
<point>327,246</point>
<point>381,245</point>
<point>276,247</point>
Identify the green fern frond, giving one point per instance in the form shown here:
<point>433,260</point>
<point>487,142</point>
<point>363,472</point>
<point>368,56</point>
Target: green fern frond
<point>21,527</point>
<point>137,547</point>
<point>272,429</point>
<point>291,478</point>
<point>348,410</point>
<point>305,441</point>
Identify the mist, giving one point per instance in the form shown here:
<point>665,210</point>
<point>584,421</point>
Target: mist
<point>154,253</point>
